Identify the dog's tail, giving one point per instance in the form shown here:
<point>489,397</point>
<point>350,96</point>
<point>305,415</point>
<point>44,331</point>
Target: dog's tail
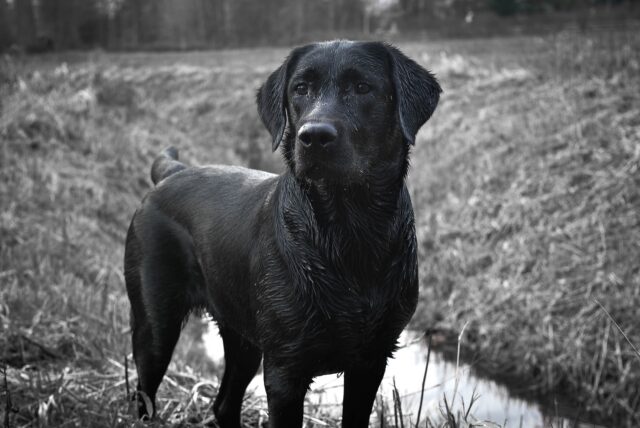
<point>165,165</point>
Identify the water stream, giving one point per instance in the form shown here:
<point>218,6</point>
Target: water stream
<point>494,402</point>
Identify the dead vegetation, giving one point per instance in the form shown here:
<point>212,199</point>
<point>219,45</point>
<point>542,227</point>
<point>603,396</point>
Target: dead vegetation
<point>526,185</point>
<point>532,195</point>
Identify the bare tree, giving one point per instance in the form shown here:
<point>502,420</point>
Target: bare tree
<point>6,35</point>
<point>25,21</point>
<point>62,19</point>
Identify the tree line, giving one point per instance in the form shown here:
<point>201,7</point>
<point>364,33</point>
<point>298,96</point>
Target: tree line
<point>130,24</point>
<point>42,25</point>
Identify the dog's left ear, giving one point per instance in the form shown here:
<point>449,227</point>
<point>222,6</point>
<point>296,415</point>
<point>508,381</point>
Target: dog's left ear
<point>417,93</point>
<point>272,98</point>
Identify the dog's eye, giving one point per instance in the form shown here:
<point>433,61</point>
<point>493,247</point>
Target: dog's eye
<point>363,88</point>
<point>301,89</point>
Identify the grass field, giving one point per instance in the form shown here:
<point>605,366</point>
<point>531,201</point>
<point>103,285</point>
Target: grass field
<point>526,187</point>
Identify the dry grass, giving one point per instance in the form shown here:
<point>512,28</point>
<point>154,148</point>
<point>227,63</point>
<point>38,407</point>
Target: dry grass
<point>526,188</point>
<point>532,199</point>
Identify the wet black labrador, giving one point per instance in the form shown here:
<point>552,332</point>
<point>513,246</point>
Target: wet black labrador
<point>315,269</point>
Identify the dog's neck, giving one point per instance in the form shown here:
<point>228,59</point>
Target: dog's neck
<point>357,221</point>
<point>356,247</point>
<point>355,208</point>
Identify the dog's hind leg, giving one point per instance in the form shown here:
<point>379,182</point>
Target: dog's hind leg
<point>158,309</point>
<point>153,345</point>
<point>242,360</point>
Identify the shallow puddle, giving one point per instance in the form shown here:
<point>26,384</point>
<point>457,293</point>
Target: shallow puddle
<point>494,403</point>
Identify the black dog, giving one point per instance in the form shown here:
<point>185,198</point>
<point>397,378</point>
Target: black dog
<point>314,269</point>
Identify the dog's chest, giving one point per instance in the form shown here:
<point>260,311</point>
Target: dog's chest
<point>375,303</point>
<point>371,325</point>
<point>365,327</point>
<point>342,319</point>
<point>338,297</point>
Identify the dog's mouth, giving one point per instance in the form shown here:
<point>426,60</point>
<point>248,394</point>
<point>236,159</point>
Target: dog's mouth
<point>327,170</point>
<point>313,169</point>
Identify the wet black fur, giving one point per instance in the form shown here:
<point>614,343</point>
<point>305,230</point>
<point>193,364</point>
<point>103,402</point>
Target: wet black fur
<point>316,269</point>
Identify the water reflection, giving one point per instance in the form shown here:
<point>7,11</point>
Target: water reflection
<point>494,402</point>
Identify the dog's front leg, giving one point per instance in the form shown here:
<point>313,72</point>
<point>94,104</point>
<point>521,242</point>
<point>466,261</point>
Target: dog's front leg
<point>360,388</point>
<point>285,394</point>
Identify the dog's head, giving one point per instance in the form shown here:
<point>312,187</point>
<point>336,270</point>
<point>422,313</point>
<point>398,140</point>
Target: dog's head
<point>344,109</point>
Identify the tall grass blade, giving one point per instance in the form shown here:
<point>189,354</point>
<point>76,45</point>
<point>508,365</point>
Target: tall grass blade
<point>7,403</point>
<point>424,379</point>
<point>635,350</point>
<point>455,388</point>
<point>126,376</point>
<point>398,405</point>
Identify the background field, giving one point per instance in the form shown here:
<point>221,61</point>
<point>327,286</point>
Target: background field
<point>526,187</point>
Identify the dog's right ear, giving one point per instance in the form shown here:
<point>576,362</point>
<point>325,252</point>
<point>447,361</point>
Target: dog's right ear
<point>272,98</point>
<point>271,101</point>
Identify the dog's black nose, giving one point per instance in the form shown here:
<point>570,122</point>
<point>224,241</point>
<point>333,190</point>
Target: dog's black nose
<point>317,133</point>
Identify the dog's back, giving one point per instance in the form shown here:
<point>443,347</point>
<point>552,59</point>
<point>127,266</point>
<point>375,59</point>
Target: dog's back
<point>169,240</point>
